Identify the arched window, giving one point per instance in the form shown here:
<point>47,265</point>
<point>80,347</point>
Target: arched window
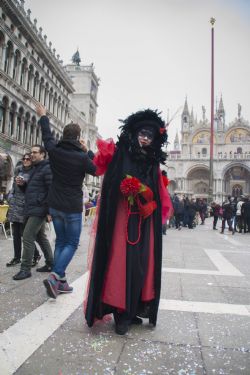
<point>40,89</point>
<point>58,108</point>
<point>16,65</point>
<point>13,108</point>
<point>37,135</point>
<point>239,150</point>
<point>2,41</point>
<point>32,130</point>
<point>50,106</point>
<point>46,93</point>
<point>54,104</point>
<point>25,130</point>
<point>204,152</point>
<point>62,111</point>
<point>8,57</point>
<point>36,83</point>
<point>24,68</point>
<point>4,118</point>
<point>18,124</point>
<point>66,113</point>
<point>30,78</point>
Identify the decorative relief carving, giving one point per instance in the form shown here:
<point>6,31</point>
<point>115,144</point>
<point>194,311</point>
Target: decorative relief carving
<point>238,136</point>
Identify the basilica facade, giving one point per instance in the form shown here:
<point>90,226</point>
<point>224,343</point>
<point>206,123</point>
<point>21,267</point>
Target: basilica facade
<point>188,163</point>
<point>31,72</point>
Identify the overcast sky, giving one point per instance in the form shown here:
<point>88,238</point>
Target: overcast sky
<point>154,53</point>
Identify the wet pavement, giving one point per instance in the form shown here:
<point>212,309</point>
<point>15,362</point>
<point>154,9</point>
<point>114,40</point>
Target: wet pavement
<point>203,325</point>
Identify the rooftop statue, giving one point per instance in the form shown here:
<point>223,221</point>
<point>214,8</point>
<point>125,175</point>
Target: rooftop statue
<point>239,111</point>
<point>76,58</point>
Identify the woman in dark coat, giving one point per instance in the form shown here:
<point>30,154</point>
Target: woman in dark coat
<point>125,277</point>
<point>16,200</point>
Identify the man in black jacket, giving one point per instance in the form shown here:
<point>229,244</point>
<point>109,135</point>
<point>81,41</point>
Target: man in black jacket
<point>69,162</point>
<point>35,212</point>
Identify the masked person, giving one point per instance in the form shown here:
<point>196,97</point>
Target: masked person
<point>125,275</point>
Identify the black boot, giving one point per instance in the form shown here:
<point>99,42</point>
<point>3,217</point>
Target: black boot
<point>121,323</point>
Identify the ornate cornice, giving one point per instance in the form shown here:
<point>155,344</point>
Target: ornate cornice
<point>21,20</point>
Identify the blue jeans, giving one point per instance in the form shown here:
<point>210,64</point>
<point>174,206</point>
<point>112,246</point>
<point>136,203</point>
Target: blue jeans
<point>68,230</point>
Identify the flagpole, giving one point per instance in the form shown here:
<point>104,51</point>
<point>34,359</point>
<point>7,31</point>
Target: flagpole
<point>211,188</point>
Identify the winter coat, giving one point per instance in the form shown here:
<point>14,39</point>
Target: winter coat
<point>239,205</point>
<point>36,191</point>
<point>178,207</point>
<point>228,210</point>
<point>69,163</point>
<point>191,209</point>
<point>16,198</point>
<point>216,210</point>
<point>245,210</point>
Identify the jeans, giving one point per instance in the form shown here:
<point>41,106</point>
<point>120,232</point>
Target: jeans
<point>68,228</point>
<point>35,231</point>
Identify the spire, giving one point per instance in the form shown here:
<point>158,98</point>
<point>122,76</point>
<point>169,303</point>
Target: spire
<point>220,116</point>
<point>185,109</point>
<point>176,142</point>
<point>221,106</point>
<point>192,116</point>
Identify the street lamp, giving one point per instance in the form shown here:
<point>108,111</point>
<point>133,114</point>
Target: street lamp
<point>211,188</point>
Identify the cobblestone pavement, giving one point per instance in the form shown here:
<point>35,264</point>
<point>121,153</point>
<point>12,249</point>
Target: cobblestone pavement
<point>203,326</point>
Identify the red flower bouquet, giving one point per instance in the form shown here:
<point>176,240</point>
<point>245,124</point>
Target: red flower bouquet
<point>130,187</point>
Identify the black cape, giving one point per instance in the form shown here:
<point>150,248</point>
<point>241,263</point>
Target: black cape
<point>147,171</point>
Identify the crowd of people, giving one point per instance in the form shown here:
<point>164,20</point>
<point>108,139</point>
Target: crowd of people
<point>186,212</point>
<point>233,212</point>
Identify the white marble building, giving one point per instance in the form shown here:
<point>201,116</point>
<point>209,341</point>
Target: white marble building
<point>188,162</point>
<point>31,71</point>
<point>84,102</point>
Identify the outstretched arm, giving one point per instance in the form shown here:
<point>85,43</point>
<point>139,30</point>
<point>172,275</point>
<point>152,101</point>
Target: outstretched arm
<point>104,155</point>
<point>47,137</point>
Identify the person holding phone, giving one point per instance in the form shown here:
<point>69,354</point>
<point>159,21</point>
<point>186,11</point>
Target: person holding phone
<point>16,200</point>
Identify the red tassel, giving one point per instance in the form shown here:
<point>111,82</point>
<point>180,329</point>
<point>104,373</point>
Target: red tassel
<point>147,194</point>
<point>147,209</point>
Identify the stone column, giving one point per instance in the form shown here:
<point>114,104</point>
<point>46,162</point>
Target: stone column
<point>14,135</point>
<point>41,87</point>
<point>7,121</point>
<point>47,99</point>
<point>66,117</point>
<point>28,131</point>
<point>11,64</point>
<point>62,115</point>
<point>58,111</point>
<point>18,71</point>
<point>25,77</point>
<point>33,142</point>
<point>37,89</point>
<point>32,77</point>
<point>21,128</point>
<point>55,109</point>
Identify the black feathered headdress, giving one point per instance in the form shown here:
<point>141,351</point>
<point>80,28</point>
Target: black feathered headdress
<point>141,119</point>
